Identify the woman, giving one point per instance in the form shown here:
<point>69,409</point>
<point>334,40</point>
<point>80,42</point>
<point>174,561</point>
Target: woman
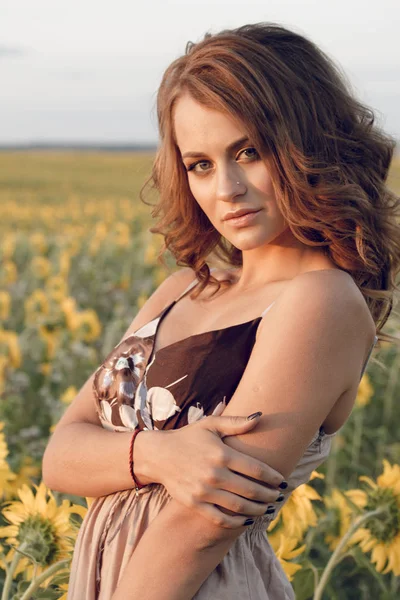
<point>254,120</point>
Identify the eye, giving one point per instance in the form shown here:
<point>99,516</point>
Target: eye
<point>252,153</point>
<point>202,164</point>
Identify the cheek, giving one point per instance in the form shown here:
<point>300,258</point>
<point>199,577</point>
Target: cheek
<point>261,180</point>
<point>201,195</point>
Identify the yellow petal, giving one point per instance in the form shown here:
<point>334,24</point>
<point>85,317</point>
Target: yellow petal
<point>369,481</point>
<point>379,557</point>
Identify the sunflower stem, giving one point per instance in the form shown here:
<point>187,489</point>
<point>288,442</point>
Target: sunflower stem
<point>394,585</point>
<point>315,573</point>
<point>331,466</point>
<point>388,403</point>
<point>10,571</point>
<point>335,557</point>
<point>61,564</point>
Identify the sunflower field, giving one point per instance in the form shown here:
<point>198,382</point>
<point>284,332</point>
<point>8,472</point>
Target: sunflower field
<point>77,261</point>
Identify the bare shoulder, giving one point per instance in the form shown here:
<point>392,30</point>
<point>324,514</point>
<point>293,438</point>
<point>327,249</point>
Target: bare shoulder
<point>172,286</point>
<point>324,309</point>
<point>176,283</point>
<point>309,354</point>
<point>337,295</point>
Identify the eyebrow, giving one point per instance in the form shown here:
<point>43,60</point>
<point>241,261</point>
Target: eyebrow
<point>232,147</point>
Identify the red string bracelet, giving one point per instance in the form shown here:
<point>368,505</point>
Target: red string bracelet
<point>138,485</point>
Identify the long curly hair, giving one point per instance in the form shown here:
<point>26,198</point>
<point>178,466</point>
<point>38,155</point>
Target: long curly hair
<point>329,160</point>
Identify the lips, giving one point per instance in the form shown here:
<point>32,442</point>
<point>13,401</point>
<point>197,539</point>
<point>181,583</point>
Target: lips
<point>240,213</point>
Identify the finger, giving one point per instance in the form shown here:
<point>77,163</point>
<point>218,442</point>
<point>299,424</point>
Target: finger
<point>218,518</point>
<point>237,504</point>
<point>240,486</point>
<point>253,468</point>
<point>230,425</point>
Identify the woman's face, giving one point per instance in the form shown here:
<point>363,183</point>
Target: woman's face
<point>225,173</point>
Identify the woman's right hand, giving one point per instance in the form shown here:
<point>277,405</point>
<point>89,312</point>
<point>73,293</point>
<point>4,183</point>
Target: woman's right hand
<point>203,473</point>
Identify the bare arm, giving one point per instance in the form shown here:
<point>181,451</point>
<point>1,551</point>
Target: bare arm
<point>87,460</point>
<point>180,561</point>
<point>81,456</point>
<point>305,338</point>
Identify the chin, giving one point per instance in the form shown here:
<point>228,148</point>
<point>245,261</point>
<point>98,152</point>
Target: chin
<point>250,244</point>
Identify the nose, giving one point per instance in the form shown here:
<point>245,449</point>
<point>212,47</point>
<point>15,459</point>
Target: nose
<point>229,185</point>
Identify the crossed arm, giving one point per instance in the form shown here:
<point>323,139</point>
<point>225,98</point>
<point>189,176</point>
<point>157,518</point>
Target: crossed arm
<point>304,337</point>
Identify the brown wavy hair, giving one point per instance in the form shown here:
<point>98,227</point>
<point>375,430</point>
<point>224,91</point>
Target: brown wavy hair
<point>329,159</point>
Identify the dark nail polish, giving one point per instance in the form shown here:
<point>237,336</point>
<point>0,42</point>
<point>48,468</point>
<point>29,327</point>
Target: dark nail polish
<point>248,522</point>
<point>269,510</point>
<point>283,485</point>
<point>254,415</point>
<point>280,498</point>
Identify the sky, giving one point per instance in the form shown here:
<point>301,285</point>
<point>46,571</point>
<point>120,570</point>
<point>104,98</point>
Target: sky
<point>88,70</point>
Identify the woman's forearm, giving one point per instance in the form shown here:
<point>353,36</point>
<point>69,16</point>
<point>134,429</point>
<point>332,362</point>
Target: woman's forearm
<point>87,460</point>
<point>174,556</point>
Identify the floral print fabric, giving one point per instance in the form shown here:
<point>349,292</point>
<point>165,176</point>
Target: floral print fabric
<point>178,385</point>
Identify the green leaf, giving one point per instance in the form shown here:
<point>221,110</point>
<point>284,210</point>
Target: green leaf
<point>303,583</point>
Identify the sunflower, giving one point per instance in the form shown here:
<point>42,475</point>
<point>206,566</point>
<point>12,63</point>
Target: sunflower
<point>365,391</point>
<point>51,336</point>
<point>9,342</point>
<point>141,300</point>
<point>26,472</point>
<point>57,287</point>
<point>64,263</point>
<point>41,267</point>
<point>46,369</point>
<point>150,254</point>
<point>381,534</point>
<point>159,275</point>
<point>297,514</point>
<point>122,235</point>
<point>8,273</point>
<point>343,513</point>
<point>101,230</point>
<point>69,394</point>
<point>36,305</point>
<point>6,475</point>
<point>3,366</point>
<point>38,242</point>
<point>87,326</point>
<point>63,587</point>
<point>68,307</point>
<point>42,526</point>
<point>8,245</point>
<point>285,549</point>
<point>5,305</point>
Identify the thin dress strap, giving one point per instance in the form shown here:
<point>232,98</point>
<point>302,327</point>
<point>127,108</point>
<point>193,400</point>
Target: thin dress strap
<point>192,284</point>
<point>189,287</point>
<point>267,309</point>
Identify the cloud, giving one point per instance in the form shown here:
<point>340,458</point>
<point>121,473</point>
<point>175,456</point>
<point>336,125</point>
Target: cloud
<point>11,51</point>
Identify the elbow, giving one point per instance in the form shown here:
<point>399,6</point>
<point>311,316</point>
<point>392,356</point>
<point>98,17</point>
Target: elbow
<point>212,535</point>
<point>48,471</point>
<point>216,533</point>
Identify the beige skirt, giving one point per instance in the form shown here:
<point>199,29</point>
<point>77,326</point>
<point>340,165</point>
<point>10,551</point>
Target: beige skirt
<point>113,526</point>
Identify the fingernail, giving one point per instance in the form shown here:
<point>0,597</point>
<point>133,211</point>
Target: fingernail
<point>270,510</point>
<point>254,415</point>
<point>248,522</point>
<point>283,485</point>
<point>280,498</point>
